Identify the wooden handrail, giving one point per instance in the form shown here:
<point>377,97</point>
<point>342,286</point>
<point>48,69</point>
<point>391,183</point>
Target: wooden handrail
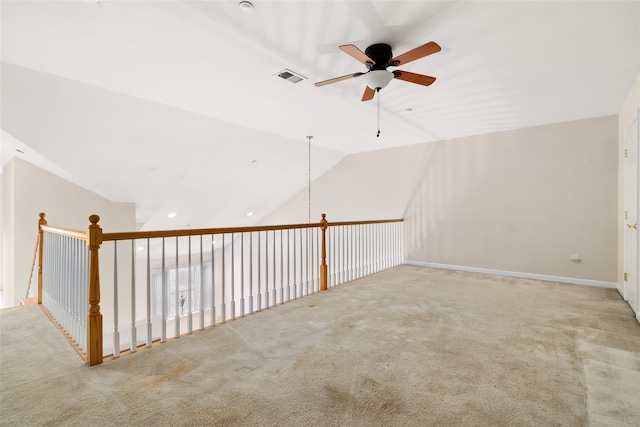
<point>375,221</point>
<point>65,232</point>
<point>131,235</point>
<point>198,231</point>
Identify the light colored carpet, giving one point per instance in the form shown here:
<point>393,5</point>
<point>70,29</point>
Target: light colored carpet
<point>410,346</point>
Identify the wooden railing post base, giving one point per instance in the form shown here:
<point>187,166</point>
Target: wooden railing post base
<point>94,346</point>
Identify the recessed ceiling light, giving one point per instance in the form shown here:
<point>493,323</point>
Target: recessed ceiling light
<point>250,214</point>
<point>172,215</point>
<point>245,6</point>
<point>140,248</point>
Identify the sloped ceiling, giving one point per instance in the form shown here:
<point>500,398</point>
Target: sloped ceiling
<point>175,105</point>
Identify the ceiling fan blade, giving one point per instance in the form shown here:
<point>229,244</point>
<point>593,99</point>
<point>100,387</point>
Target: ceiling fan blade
<point>356,53</point>
<point>417,53</point>
<point>338,79</point>
<point>414,78</point>
<point>368,94</point>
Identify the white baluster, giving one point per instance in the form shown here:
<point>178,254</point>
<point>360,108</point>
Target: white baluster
<point>201,305</point>
<point>189,290</point>
<point>241,274</point>
<point>134,338</point>
<point>233,277</point>
<point>176,284</point>
<point>163,331</point>
<point>213,280</point>
<point>223,307</point>
<point>281,267</point>
<point>273,269</point>
<point>250,272</point>
<point>116,333</point>
<point>149,331</point>
<point>259,295</point>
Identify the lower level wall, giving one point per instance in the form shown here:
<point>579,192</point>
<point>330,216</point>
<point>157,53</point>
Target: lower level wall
<point>28,190</point>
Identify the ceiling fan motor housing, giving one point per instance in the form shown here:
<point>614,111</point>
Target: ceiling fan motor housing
<point>377,58</point>
<point>381,54</point>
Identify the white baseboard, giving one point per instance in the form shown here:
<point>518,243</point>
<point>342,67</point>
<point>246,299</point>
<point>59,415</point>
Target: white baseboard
<point>544,277</point>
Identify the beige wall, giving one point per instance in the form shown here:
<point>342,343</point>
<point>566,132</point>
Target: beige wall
<point>626,115</point>
<point>520,201</point>
<point>375,185</point>
<point>6,232</point>
<point>28,190</point>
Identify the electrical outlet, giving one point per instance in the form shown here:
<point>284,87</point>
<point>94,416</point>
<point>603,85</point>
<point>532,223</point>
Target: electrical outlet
<point>575,258</point>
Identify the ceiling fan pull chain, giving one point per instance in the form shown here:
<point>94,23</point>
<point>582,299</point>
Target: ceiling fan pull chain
<point>378,135</point>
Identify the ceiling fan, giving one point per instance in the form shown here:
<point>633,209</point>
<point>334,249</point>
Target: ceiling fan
<point>377,58</point>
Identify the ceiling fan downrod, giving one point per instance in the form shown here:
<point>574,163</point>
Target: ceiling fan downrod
<point>378,135</point>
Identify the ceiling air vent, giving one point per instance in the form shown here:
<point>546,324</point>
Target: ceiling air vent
<point>291,76</point>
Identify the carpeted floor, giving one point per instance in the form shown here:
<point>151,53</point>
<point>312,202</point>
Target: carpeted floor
<point>410,346</point>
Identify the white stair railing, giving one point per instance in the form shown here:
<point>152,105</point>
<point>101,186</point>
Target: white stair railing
<point>164,284</point>
<point>65,273</point>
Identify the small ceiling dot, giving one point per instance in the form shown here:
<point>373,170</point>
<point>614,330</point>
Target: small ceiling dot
<point>245,6</point>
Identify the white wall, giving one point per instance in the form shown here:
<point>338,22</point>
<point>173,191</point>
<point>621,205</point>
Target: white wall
<point>371,185</point>
<point>520,201</point>
<point>29,190</point>
<point>6,233</point>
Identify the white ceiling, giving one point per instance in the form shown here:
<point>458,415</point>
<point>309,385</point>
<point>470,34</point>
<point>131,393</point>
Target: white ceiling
<point>168,103</point>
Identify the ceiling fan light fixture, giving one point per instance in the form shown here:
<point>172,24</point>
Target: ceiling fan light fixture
<point>378,79</point>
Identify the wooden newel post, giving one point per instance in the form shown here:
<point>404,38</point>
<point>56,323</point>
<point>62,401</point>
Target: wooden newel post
<point>94,318</point>
<point>323,266</point>
<point>42,221</point>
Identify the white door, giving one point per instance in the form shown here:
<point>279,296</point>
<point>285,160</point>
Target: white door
<point>632,242</point>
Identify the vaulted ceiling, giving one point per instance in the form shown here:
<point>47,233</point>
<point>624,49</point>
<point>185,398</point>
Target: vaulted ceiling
<point>177,106</point>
